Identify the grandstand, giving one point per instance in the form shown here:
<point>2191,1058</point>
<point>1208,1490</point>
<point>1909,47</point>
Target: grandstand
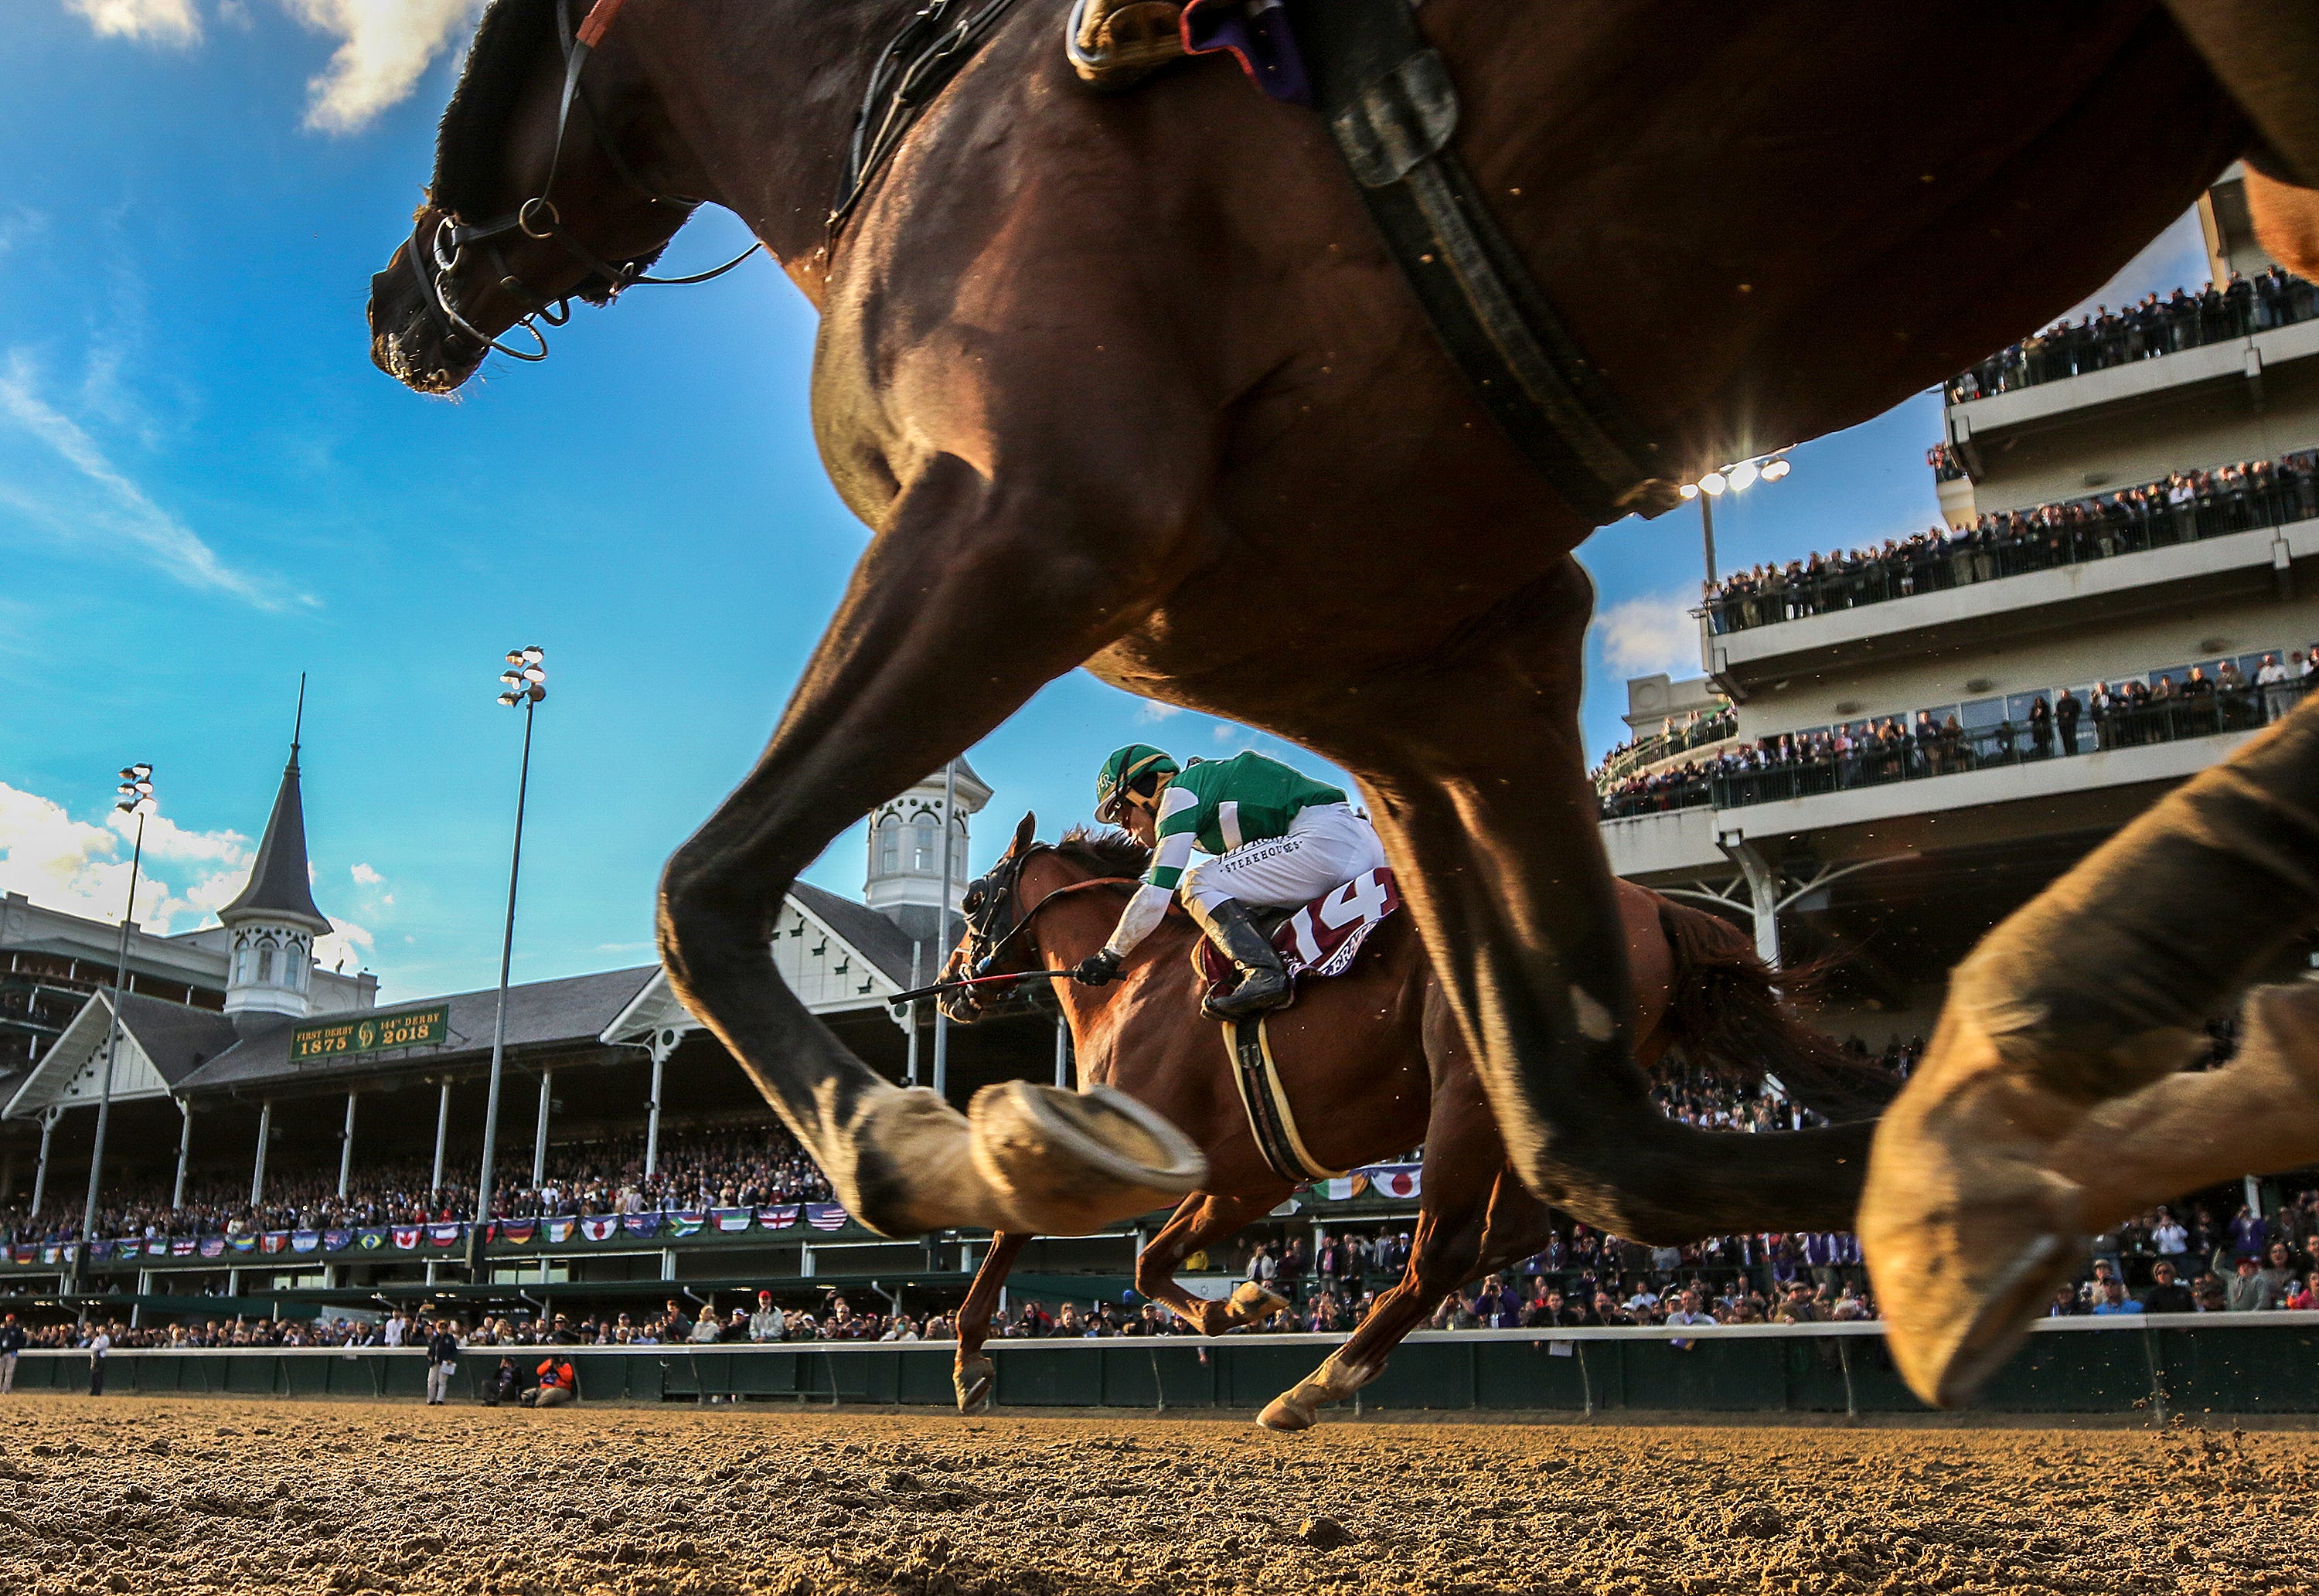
<point>1920,735</point>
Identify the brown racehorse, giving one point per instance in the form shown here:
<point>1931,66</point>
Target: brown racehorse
<point>1372,1063</point>
<point>1131,383</point>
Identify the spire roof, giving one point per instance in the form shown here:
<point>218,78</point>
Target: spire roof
<point>280,888</point>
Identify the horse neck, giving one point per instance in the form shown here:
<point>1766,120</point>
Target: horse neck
<point>763,96</point>
<point>1072,927</point>
<point>1069,930</point>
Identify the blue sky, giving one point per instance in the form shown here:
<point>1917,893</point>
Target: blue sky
<point>205,489</point>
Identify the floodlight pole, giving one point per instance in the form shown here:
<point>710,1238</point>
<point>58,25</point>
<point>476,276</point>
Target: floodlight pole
<point>483,1217</point>
<point>112,1050</point>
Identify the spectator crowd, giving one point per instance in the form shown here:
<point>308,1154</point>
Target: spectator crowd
<point>2184,508</point>
<point>2161,706</point>
<point>2153,327</point>
<point>696,1170</point>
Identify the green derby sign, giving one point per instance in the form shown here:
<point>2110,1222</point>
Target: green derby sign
<point>370,1033</point>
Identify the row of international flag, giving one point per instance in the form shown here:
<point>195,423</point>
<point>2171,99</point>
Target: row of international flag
<point>553,1230</point>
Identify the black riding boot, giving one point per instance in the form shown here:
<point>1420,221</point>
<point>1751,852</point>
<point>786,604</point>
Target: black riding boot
<point>1263,980</point>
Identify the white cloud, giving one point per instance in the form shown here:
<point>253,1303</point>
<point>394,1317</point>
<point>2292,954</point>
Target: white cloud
<point>365,877</point>
<point>1652,633</point>
<point>383,47</point>
<point>347,945</point>
<point>82,868</point>
<point>117,505</point>
<point>165,22</point>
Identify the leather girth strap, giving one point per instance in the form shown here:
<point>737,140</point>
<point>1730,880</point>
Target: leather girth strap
<point>1270,1116</point>
<point>1392,110</point>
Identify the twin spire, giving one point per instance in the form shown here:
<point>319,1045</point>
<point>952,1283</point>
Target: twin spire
<point>280,885</point>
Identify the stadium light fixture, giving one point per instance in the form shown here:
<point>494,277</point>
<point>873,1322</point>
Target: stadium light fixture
<point>1732,479</point>
<point>523,682</point>
<point>132,795</point>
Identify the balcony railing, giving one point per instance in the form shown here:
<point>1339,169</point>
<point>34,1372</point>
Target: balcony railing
<point>1950,750</point>
<point>2146,331</point>
<point>1696,733</point>
<point>2240,498</point>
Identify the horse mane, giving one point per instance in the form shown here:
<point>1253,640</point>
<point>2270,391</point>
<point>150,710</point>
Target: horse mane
<point>507,47</point>
<point>1113,852</point>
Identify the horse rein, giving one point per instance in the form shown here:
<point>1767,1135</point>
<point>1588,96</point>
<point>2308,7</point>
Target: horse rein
<point>927,54</point>
<point>537,218</point>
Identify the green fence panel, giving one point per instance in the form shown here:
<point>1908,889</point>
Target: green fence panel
<point>1710,1376</point>
<point>1036,1376</point>
<point>925,1377</point>
<point>1528,1376</point>
<point>2265,1370</point>
<point>2075,1372</point>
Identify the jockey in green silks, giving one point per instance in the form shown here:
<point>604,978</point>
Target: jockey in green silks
<point>1278,838</point>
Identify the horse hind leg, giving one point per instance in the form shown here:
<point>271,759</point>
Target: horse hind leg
<point>1453,1229</point>
<point>972,1374</point>
<point>964,606</point>
<point>1201,1220</point>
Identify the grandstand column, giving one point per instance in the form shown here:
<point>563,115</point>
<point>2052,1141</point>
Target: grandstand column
<point>257,1168</point>
<point>184,1152</point>
<point>49,1117</point>
<point>941,933</point>
<point>664,1044</point>
<point>346,1150</point>
<point>1063,1054</point>
<point>539,1135</point>
<point>1762,891</point>
<point>442,1130</point>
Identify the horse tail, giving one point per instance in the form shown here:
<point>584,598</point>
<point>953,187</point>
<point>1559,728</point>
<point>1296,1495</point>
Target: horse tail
<point>1727,1012</point>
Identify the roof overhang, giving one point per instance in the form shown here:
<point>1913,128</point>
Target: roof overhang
<point>71,1073</point>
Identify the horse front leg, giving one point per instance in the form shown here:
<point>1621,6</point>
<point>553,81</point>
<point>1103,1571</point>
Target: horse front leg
<point>971,1374</point>
<point>1204,1219</point>
<point>1473,760</point>
<point>2033,1115</point>
<point>978,591</point>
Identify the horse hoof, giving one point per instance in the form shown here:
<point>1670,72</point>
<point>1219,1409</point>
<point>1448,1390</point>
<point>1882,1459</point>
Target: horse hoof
<point>973,1384</point>
<point>1284,1416</point>
<point>1067,1163</point>
<point>1250,1303</point>
<point>972,1379</point>
<point>1966,1235</point>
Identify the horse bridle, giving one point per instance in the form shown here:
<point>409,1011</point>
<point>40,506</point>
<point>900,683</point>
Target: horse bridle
<point>985,941</point>
<point>537,218</point>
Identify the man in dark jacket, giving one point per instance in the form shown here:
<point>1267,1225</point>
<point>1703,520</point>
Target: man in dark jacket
<point>12,1342</point>
<point>442,1360</point>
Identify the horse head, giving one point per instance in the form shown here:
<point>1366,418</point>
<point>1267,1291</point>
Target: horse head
<point>543,191</point>
<point>993,915</point>
<point>1001,907</point>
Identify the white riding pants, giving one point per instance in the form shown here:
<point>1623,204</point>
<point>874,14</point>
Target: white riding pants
<point>1325,846</point>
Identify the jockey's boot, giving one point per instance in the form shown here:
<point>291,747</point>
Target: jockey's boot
<point>1114,44</point>
<point>1263,980</point>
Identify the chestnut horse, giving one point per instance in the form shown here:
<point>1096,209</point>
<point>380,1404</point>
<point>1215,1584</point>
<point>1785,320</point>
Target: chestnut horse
<point>1372,1064</point>
<point>1132,383</point>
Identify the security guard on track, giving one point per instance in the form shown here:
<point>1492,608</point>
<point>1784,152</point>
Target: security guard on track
<point>1278,839</point>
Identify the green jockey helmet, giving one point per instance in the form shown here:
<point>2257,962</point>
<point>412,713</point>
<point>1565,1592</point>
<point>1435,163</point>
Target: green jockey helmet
<point>1121,772</point>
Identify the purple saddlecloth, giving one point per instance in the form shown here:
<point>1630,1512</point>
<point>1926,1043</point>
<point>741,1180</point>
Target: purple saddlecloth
<point>1257,33</point>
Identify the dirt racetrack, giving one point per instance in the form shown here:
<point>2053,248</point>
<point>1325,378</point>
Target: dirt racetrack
<point>142,1494</point>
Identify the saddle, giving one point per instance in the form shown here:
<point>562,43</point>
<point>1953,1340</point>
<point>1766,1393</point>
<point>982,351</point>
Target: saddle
<point>1321,939</point>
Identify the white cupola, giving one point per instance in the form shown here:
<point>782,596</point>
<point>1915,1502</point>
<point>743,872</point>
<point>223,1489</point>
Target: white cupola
<point>906,852</point>
<point>273,922</point>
